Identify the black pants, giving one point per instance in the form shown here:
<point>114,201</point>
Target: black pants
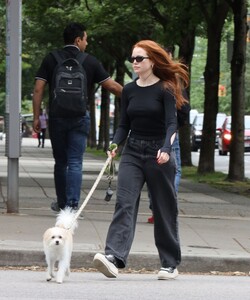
<point>138,165</point>
<point>41,136</point>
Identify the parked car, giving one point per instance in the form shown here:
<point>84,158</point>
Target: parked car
<point>27,125</point>
<point>219,122</point>
<point>192,114</point>
<point>226,136</point>
<point>197,126</point>
<point>196,132</point>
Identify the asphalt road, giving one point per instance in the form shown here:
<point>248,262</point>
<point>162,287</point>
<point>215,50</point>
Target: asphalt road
<point>89,285</point>
<point>222,162</point>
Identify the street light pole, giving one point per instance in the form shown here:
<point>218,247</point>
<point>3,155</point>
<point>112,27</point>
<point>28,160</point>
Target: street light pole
<point>13,102</point>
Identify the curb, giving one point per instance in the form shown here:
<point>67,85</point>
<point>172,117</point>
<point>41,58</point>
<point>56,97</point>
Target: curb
<point>136,261</point>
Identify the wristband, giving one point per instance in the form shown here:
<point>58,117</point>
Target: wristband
<point>112,147</point>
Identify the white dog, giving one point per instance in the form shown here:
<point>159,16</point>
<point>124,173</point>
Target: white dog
<point>58,245</point>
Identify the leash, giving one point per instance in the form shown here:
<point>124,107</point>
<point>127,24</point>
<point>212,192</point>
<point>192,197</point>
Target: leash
<point>110,175</point>
<point>77,214</point>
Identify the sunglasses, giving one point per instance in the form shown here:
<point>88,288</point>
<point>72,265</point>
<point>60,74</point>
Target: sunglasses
<point>137,58</point>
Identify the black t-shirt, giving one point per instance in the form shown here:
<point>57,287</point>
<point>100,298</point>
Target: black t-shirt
<point>147,113</point>
<point>94,70</point>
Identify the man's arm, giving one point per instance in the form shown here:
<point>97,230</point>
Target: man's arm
<point>37,100</point>
<point>112,86</point>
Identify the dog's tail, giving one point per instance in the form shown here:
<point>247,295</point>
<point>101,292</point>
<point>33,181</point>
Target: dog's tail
<point>65,219</point>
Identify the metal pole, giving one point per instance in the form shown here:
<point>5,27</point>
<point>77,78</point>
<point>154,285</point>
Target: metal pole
<point>13,101</point>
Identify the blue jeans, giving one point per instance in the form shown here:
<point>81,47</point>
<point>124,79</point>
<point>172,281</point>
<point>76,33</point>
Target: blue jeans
<point>138,165</point>
<point>68,138</point>
<point>177,152</point>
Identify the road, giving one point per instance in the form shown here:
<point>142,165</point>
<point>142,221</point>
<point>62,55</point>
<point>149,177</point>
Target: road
<point>89,285</point>
<point>222,162</point>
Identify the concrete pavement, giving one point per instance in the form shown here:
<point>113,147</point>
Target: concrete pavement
<point>214,225</point>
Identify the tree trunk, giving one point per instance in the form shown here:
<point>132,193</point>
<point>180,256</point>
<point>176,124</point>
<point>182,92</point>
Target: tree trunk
<point>215,19</point>
<point>186,51</point>
<point>236,163</point>
<point>211,75</point>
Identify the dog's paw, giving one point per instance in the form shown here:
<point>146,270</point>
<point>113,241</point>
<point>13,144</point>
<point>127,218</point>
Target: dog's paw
<point>48,278</point>
<point>59,280</point>
<point>59,277</point>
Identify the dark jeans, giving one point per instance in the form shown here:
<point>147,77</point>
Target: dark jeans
<point>68,139</point>
<point>176,151</point>
<point>138,165</point>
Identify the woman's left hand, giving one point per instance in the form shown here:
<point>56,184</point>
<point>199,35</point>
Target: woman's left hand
<point>162,157</point>
<point>112,150</point>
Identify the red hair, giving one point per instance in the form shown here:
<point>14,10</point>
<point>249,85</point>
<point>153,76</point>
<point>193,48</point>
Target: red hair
<point>174,74</point>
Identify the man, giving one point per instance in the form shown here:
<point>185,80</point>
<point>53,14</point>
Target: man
<point>68,134</point>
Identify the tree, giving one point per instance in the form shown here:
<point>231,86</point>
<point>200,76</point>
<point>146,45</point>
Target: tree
<point>236,163</point>
<point>186,50</point>
<point>215,13</point>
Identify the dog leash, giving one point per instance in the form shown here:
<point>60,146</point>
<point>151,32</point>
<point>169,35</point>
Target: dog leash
<point>77,214</point>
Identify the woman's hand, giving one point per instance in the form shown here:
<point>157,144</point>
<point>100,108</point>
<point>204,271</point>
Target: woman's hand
<point>162,157</point>
<point>112,150</point>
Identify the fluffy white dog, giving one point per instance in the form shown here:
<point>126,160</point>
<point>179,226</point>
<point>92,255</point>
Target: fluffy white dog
<point>58,245</point>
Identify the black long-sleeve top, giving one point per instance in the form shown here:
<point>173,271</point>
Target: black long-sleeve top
<point>147,113</point>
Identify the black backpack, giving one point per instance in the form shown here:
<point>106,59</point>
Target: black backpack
<point>69,95</point>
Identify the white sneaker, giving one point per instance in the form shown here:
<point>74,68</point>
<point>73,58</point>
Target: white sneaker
<point>167,273</point>
<point>106,265</point>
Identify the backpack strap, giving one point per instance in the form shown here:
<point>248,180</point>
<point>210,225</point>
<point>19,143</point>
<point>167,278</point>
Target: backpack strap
<point>56,55</point>
<point>81,56</point>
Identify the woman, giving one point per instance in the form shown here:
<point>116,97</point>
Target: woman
<point>149,123</point>
<point>43,123</point>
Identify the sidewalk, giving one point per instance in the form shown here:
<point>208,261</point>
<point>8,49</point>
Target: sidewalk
<point>214,225</point>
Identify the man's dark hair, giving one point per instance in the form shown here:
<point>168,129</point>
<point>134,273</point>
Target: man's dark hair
<point>72,31</point>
